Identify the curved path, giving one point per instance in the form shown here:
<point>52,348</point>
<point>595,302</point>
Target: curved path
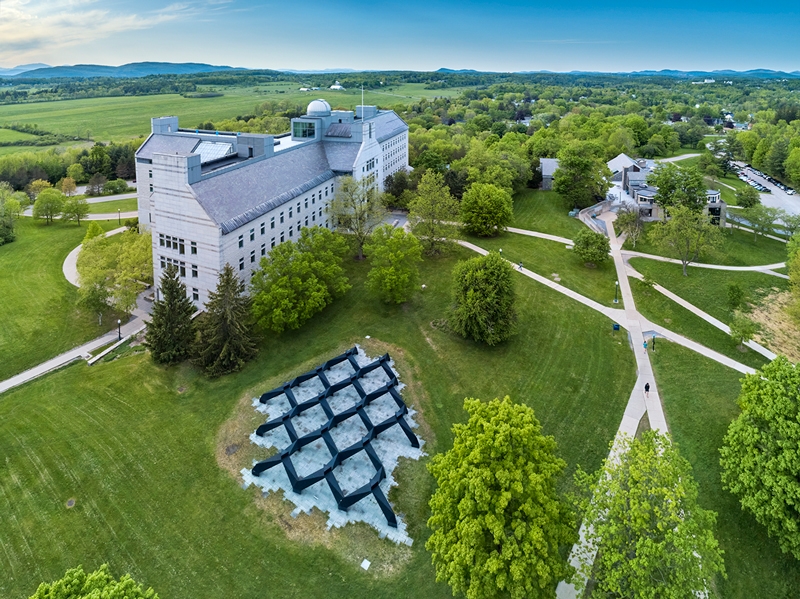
<point>765,268</point>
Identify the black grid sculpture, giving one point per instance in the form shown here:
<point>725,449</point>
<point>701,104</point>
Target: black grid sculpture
<point>338,455</point>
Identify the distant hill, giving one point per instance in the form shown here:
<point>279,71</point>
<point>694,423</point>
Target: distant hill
<point>22,69</point>
<point>752,74</point>
<point>134,69</point>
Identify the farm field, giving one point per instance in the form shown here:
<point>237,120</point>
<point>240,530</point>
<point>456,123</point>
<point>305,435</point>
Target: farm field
<point>151,499</point>
<point>39,317</point>
<point>9,135</point>
<point>699,398</point>
<point>120,118</point>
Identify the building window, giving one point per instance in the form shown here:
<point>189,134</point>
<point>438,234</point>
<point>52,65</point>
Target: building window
<point>151,188</point>
<point>320,212</point>
<point>313,217</point>
<point>263,249</point>
<point>306,204</point>
<point>196,295</point>
<point>290,232</point>
<point>150,174</point>
<point>263,228</point>
<point>272,243</point>
<point>163,262</point>
<point>281,217</point>
<point>241,263</point>
<point>252,256</point>
<point>272,223</point>
<point>306,220</point>
<point>281,236</point>
<point>161,239</point>
<point>304,130</point>
<point>193,248</point>
<point>181,249</point>
<point>241,241</point>
<point>290,213</point>
<point>252,234</point>
<point>194,271</point>
<point>298,208</point>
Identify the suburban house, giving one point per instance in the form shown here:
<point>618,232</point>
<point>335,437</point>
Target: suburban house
<point>212,198</point>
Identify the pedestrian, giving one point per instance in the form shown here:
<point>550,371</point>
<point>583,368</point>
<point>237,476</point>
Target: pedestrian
<point>647,389</point>
<point>645,347</point>
<point>520,265</point>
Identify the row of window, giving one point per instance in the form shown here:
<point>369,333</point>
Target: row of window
<point>273,241</point>
<point>179,264</point>
<point>174,243</point>
<point>371,164</point>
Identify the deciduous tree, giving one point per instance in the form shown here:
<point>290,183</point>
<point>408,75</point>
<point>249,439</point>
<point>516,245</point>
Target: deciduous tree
<point>582,176</point>
<point>297,280</point>
<point>629,222</point>
<point>641,516</point>
<point>357,209</point>
<point>762,219</point>
<point>48,205</point>
<point>688,233</point>
<point>483,299</point>
<point>394,256</point>
<point>75,209</point>
<point>747,196</point>
<point>591,247</point>
<point>759,456</point>
<point>679,186</point>
<point>68,186</point>
<point>170,331</point>
<point>486,209</point>
<point>77,584</point>
<point>497,522</point>
<point>225,340</point>
<point>742,329</point>
<point>434,214</point>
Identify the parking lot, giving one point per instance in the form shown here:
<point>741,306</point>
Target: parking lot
<point>777,197</point>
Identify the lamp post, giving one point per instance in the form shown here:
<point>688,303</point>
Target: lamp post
<point>654,342</point>
<point>119,217</point>
<point>501,252</point>
<point>119,330</point>
<point>616,290</point>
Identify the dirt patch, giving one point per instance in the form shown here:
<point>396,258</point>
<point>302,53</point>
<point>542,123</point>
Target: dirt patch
<point>778,330</point>
<point>354,542</point>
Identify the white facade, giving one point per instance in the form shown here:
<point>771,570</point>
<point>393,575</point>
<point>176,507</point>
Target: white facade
<point>211,198</point>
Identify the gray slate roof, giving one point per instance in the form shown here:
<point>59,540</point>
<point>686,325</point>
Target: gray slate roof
<point>167,144</point>
<point>549,166</point>
<point>341,156</point>
<point>239,196</point>
<point>388,124</point>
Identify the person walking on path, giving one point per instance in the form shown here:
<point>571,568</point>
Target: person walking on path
<point>520,266</point>
<point>645,347</point>
<point>647,389</point>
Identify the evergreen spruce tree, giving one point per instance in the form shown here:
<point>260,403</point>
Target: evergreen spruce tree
<point>170,331</point>
<point>226,340</point>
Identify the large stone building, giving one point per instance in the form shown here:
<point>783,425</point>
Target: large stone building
<point>212,197</point>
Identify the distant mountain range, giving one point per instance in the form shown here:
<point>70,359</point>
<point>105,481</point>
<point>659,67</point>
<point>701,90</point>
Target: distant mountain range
<point>143,69</point>
<point>22,69</point>
<point>134,69</point>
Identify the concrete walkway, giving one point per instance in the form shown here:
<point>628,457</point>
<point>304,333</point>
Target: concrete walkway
<point>547,236</point>
<point>83,352</point>
<point>678,158</point>
<point>765,268</point>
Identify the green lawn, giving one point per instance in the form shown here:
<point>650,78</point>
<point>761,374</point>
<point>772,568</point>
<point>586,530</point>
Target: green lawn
<point>659,309</point>
<point>738,249</point>
<point>113,205</point>
<point>135,444</point>
<point>547,257</point>
<point>39,315</point>
<point>7,135</point>
<point>708,289</point>
<point>120,118</point>
<point>699,398</point>
<point>544,211</point>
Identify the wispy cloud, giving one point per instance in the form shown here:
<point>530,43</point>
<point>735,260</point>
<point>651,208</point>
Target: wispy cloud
<point>29,26</point>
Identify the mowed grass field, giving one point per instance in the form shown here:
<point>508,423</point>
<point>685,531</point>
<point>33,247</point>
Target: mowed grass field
<point>120,118</point>
<point>112,206</point>
<point>699,399</point>
<point>134,445</point>
<point>39,318</point>
<point>545,212</point>
<point>9,135</point>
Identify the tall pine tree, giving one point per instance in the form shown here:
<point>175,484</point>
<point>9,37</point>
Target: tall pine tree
<point>170,331</point>
<point>226,340</point>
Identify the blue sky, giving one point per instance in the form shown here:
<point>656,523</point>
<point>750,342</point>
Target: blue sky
<point>418,35</point>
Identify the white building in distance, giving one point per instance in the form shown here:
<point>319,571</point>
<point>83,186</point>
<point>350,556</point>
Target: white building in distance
<point>213,197</point>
